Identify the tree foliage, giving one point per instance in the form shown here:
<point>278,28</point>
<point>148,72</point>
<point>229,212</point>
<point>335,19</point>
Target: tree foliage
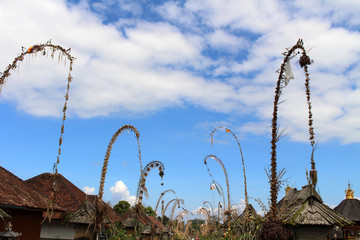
<point>122,207</point>
<point>149,211</point>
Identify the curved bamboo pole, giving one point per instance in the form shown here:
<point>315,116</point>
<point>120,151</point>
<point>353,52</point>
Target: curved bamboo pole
<point>167,205</point>
<point>108,152</point>
<point>274,184</point>
<point>211,206</point>
<point>161,195</point>
<point>242,158</point>
<point>43,48</point>
<point>204,212</point>
<point>178,223</point>
<point>99,213</point>
<point>141,186</point>
<point>187,228</point>
<point>219,206</point>
<point>218,187</point>
<point>176,204</point>
<point>226,177</point>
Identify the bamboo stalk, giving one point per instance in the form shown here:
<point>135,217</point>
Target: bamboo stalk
<point>33,50</point>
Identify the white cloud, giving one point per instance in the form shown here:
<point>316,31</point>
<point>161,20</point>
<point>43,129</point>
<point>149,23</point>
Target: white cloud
<point>222,39</point>
<point>120,192</point>
<point>172,11</point>
<point>148,66</point>
<point>239,207</point>
<point>89,190</point>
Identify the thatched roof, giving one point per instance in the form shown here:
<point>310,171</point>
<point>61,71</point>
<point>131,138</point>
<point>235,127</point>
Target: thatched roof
<point>148,223</point>
<point>238,220</point>
<point>248,211</point>
<point>305,207</point>
<point>87,212</point>
<point>350,209</point>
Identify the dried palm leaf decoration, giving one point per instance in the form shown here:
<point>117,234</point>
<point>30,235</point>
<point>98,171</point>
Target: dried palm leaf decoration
<point>161,196</point>
<point>44,49</point>
<point>303,62</point>
<point>108,152</point>
<point>242,158</point>
<point>141,186</point>
<point>99,217</point>
<point>228,211</point>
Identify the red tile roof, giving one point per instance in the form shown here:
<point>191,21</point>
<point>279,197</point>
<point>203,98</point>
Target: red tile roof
<point>15,192</point>
<point>67,195</point>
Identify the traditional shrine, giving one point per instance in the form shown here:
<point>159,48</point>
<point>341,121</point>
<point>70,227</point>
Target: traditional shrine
<point>350,209</point>
<point>305,214</point>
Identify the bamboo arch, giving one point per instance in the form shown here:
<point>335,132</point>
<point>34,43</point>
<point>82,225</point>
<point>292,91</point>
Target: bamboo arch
<point>242,158</point>
<point>44,48</point>
<point>108,152</point>
<point>141,186</point>
<point>211,206</point>
<point>226,176</point>
<point>177,201</point>
<point>161,195</point>
<point>274,183</point>
<point>100,208</point>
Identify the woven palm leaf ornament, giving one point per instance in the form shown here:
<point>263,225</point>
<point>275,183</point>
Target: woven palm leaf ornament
<point>241,154</point>
<point>141,186</point>
<point>207,204</point>
<point>283,79</point>
<point>175,201</point>
<point>161,196</point>
<point>180,224</point>
<point>205,228</point>
<point>215,185</point>
<point>45,50</point>
<point>108,153</point>
<point>99,205</point>
<point>177,204</point>
<point>228,211</point>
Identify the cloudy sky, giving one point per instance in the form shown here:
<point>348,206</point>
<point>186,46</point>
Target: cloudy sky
<point>175,70</point>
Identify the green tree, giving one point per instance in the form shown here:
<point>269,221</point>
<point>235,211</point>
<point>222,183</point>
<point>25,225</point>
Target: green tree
<point>122,207</point>
<point>166,220</point>
<point>149,211</point>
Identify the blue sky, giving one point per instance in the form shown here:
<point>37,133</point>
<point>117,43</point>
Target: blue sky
<point>175,70</point>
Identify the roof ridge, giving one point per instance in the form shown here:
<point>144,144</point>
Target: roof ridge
<point>19,193</point>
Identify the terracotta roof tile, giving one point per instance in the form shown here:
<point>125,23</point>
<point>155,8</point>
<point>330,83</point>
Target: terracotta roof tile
<point>15,192</point>
<point>67,195</point>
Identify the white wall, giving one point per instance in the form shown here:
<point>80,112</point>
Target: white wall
<point>56,230</point>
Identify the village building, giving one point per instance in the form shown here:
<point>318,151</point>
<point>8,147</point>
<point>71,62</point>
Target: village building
<point>149,226</point>
<point>24,204</point>
<point>305,214</point>
<point>21,206</point>
<point>350,209</point>
<point>247,221</point>
<point>74,222</point>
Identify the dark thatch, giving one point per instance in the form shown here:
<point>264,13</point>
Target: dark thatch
<point>146,223</point>
<point>350,209</point>
<point>249,212</point>
<point>305,207</point>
